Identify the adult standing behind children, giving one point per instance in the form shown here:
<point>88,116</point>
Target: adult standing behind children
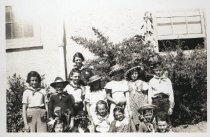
<point>62,101</point>
<point>34,105</point>
<point>161,92</point>
<point>86,72</point>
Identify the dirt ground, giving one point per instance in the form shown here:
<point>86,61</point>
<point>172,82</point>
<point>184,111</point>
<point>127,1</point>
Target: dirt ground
<point>200,127</point>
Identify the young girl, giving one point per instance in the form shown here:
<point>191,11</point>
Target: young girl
<point>120,123</point>
<point>102,119</point>
<point>82,123</point>
<point>60,125</point>
<point>137,93</point>
<point>93,95</point>
<point>75,89</point>
<point>34,105</point>
<point>117,89</point>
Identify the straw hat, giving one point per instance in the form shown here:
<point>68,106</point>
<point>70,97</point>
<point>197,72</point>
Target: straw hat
<point>94,78</point>
<point>115,68</point>
<point>59,80</point>
<point>145,107</point>
<point>132,67</point>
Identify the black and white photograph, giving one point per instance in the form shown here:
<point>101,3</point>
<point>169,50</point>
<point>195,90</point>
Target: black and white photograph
<point>104,66</point>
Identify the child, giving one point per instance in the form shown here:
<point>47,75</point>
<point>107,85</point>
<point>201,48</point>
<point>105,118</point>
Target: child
<point>161,92</point>
<point>162,123</point>
<point>59,125</point>
<point>121,123</point>
<point>102,119</point>
<point>76,90</point>
<point>34,105</point>
<point>93,95</point>
<point>148,124</point>
<point>137,93</point>
<point>61,100</point>
<point>82,123</point>
<point>117,89</point>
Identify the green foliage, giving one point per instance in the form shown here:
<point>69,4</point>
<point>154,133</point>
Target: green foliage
<point>14,103</point>
<point>188,72</point>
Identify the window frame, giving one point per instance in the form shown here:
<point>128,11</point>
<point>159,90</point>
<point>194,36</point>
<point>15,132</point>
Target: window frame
<point>180,36</point>
<point>24,42</point>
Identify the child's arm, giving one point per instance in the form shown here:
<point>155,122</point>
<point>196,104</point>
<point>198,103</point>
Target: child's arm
<point>112,127</point>
<point>26,126</point>
<point>108,96</point>
<point>171,98</point>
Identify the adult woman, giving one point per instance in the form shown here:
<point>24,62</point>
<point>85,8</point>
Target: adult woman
<point>86,73</point>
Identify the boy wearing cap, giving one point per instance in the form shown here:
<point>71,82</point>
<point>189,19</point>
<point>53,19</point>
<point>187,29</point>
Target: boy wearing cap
<point>148,124</point>
<point>60,103</point>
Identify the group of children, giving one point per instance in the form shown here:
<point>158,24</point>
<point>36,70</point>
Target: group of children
<point>124,104</point>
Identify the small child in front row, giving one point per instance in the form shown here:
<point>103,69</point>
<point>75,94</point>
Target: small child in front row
<point>148,124</point>
<point>120,123</point>
<point>102,119</point>
<point>162,123</point>
<point>117,89</point>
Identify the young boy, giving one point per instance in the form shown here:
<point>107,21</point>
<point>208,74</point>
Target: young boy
<point>162,123</point>
<point>148,124</point>
<point>161,92</point>
<point>60,103</point>
<point>75,89</point>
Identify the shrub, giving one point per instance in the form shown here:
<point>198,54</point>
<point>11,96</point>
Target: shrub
<point>187,72</point>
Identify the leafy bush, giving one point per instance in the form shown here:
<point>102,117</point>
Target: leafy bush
<point>187,72</point>
<point>14,103</point>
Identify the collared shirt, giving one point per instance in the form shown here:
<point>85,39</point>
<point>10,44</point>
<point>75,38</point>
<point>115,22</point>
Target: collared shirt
<point>34,97</point>
<point>160,85</point>
<point>77,91</point>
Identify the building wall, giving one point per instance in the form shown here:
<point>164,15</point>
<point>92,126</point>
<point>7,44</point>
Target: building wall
<point>116,19</point>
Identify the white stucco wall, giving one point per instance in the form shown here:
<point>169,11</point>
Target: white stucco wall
<point>117,19</point>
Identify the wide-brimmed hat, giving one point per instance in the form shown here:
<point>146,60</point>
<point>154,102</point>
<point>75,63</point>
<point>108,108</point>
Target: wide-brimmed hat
<point>116,68</point>
<point>59,80</point>
<point>94,78</point>
<point>146,107</point>
<point>132,67</point>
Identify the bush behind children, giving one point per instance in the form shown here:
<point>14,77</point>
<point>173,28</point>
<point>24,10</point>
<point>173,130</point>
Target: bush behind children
<point>124,104</point>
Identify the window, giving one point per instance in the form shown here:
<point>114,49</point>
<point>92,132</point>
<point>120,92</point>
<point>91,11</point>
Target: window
<point>16,29</point>
<point>19,32</point>
<point>172,26</point>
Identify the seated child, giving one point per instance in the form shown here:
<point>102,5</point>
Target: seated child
<point>148,124</point>
<point>60,103</point>
<point>102,120</point>
<point>59,125</point>
<point>82,123</point>
<point>162,123</point>
<point>120,123</point>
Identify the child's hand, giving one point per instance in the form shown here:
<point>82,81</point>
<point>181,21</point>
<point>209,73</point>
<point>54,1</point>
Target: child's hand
<point>170,111</point>
<point>27,128</point>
